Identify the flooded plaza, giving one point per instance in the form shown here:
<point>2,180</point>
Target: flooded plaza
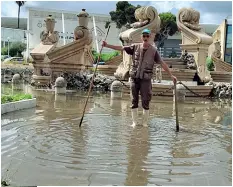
<point>45,146</point>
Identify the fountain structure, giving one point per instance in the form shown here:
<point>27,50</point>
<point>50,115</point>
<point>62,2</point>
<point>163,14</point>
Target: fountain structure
<point>49,40</point>
<point>223,70</point>
<point>195,45</point>
<point>194,40</point>
<point>50,60</point>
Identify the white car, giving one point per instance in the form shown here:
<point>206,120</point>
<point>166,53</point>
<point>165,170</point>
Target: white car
<point>13,60</point>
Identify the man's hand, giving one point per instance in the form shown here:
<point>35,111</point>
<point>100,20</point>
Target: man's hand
<point>118,48</point>
<point>174,79</point>
<point>104,44</point>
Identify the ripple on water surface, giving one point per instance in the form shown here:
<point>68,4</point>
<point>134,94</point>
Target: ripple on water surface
<point>45,146</point>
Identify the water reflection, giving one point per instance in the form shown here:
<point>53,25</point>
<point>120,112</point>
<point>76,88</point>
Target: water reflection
<point>107,151</point>
<point>138,147</point>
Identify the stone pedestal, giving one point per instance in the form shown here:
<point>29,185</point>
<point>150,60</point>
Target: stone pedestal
<point>200,53</point>
<point>59,101</point>
<point>59,90</point>
<point>116,90</point>
<point>41,80</point>
<point>181,93</point>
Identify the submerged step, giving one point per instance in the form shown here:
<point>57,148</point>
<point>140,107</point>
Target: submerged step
<point>167,82</point>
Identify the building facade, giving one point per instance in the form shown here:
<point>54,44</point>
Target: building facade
<point>228,44</point>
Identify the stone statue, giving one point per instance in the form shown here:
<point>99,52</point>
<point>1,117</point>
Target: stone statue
<point>189,60</point>
<point>190,18</point>
<point>147,17</point>
<point>49,36</point>
<point>215,48</point>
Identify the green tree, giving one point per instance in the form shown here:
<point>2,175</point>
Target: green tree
<point>168,27</point>
<point>124,14</point>
<point>4,51</point>
<point>107,23</point>
<point>20,4</point>
<point>17,48</point>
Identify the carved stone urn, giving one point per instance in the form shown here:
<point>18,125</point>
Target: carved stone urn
<point>50,23</point>
<point>83,17</point>
<point>49,36</point>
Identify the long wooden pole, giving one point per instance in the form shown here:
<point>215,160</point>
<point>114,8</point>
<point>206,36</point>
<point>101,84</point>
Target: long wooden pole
<point>176,109</point>
<point>92,80</point>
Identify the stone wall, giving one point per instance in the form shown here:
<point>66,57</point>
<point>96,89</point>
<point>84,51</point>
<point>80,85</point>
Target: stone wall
<point>221,90</point>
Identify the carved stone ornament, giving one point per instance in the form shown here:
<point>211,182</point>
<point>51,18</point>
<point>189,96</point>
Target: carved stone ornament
<point>49,36</point>
<point>190,18</point>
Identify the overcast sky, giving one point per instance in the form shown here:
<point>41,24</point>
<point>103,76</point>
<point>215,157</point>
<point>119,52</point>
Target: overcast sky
<point>211,11</point>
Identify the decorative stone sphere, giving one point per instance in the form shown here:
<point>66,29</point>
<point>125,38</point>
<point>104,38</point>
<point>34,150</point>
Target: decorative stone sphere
<point>16,78</point>
<point>60,82</point>
<point>116,86</point>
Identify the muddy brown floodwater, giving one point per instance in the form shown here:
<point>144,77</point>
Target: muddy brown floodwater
<point>45,146</point>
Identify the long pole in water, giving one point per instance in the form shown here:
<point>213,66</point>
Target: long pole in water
<point>92,80</point>
<point>176,109</point>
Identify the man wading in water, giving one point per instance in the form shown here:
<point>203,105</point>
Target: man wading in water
<point>144,57</point>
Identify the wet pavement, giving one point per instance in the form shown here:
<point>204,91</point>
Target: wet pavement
<point>45,146</point>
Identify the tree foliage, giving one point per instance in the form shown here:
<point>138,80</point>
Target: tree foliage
<point>168,27</point>
<point>124,14</point>
<point>4,51</point>
<point>107,23</point>
<point>15,49</point>
<point>19,3</point>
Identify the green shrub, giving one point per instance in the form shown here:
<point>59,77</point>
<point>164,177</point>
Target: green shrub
<point>17,48</point>
<point>104,56</point>
<point>13,98</point>
<point>209,64</point>
<point>4,51</point>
